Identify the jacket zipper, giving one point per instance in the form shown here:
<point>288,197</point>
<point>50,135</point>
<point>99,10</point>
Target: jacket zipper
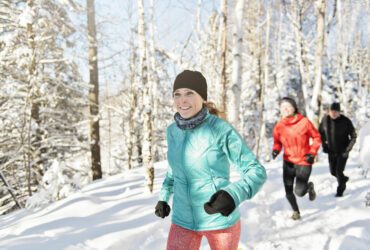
<point>187,180</point>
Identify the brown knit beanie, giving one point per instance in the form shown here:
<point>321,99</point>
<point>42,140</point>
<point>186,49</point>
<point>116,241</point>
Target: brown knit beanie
<point>193,80</point>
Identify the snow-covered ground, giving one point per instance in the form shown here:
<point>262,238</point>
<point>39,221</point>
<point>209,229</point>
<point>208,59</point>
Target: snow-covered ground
<point>116,213</point>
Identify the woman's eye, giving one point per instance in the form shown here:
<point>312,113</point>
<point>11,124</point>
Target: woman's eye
<point>189,93</point>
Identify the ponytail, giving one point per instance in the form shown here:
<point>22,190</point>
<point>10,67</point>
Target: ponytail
<point>214,111</point>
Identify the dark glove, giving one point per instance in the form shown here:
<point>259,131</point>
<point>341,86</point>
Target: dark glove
<point>345,154</point>
<point>162,209</point>
<point>220,202</point>
<point>309,158</point>
<point>274,154</point>
<point>325,148</point>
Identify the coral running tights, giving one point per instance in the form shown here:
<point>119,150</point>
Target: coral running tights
<point>184,239</point>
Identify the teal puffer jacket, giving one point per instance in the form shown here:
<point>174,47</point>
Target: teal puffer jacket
<point>199,165</point>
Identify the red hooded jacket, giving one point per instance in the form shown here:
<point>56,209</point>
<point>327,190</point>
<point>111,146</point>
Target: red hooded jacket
<point>294,133</point>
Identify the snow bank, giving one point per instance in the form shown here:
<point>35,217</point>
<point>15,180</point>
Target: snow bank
<point>364,140</point>
<point>114,213</point>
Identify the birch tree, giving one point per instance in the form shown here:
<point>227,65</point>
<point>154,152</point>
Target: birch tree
<point>320,7</point>
<point>147,100</point>
<point>130,129</point>
<point>296,16</point>
<point>223,47</point>
<point>128,120</point>
<point>208,57</point>
<point>233,93</point>
<point>251,87</point>
<point>262,137</point>
<point>153,79</point>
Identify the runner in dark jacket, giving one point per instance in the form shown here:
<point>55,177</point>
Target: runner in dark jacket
<point>338,137</point>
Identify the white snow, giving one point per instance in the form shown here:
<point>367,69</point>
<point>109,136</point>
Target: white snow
<point>364,140</point>
<point>117,213</point>
<point>27,16</point>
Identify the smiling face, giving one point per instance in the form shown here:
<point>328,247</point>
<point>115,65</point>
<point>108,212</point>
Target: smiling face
<point>286,109</point>
<point>187,102</point>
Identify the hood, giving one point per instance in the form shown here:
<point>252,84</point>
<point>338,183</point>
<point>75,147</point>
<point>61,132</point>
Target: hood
<point>292,119</point>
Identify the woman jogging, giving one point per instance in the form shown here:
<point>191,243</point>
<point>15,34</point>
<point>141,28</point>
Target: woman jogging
<point>201,148</point>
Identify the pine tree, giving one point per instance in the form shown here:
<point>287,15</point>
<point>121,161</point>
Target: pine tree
<point>45,97</point>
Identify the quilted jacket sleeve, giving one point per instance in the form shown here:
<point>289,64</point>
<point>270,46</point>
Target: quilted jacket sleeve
<point>316,138</point>
<point>252,173</point>
<point>277,143</point>
<point>352,135</point>
<point>167,185</point>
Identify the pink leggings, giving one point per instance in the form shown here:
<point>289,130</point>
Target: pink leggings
<point>184,239</point>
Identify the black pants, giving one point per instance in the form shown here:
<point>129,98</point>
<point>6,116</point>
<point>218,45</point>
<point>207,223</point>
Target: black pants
<point>337,164</point>
<point>301,174</point>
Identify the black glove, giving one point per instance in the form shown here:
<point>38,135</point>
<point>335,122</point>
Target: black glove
<point>162,209</point>
<point>325,148</point>
<point>345,154</point>
<point>274,154</point>
<point>309,158</point>
<point>220,202</point>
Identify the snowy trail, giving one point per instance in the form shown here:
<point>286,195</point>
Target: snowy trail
<point>326,223</point>
<point>114,213</point>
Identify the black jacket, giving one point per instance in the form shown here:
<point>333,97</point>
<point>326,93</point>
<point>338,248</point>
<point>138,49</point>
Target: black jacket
<point>337,135</point>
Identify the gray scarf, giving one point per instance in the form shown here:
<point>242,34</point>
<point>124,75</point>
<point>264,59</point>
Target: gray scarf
<point>191,122</point>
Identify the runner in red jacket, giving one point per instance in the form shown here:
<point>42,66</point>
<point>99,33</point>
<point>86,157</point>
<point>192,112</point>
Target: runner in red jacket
<point>293,133</point>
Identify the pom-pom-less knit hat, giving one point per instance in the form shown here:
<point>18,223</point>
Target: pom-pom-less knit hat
<point>193,80</point>
<point>335,106</point>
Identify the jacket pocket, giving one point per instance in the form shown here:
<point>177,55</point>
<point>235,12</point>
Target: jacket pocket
<point>201,193</point>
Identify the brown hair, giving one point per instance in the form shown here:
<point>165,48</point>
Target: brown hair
<point>214,110</point>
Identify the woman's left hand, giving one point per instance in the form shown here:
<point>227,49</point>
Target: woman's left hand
<point>310,158</point>
<point>220,202</point>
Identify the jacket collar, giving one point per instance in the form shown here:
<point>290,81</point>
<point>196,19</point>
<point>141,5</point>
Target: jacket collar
<point>292,119</point>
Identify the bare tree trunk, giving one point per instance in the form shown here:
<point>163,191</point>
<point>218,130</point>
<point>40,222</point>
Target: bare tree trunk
<point>301,53</point>
<point>198,19</point>
<point>93,93</point>
<point>130,132</point>
<point>233,93</point>
<point>109,130</point>
<point>10,190</point>
<point>277,51</point>
<point>153,80</point>
<point>364,73</point>
<point>147,99</point>
<point>130,129</point>
<point>34,157</point>
<point>342,55</point>
<point>316,95</point>
<point>223,63</point>
<point>261,95</point>
<point>262,136</point>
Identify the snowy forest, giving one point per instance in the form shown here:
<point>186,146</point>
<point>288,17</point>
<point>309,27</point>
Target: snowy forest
<point>86,86</point>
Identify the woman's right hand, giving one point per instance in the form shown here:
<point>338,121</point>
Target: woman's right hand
<point>162,209</point>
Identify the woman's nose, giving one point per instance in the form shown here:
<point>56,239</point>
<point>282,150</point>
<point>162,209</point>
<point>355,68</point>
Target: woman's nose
<point>183,99</point>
